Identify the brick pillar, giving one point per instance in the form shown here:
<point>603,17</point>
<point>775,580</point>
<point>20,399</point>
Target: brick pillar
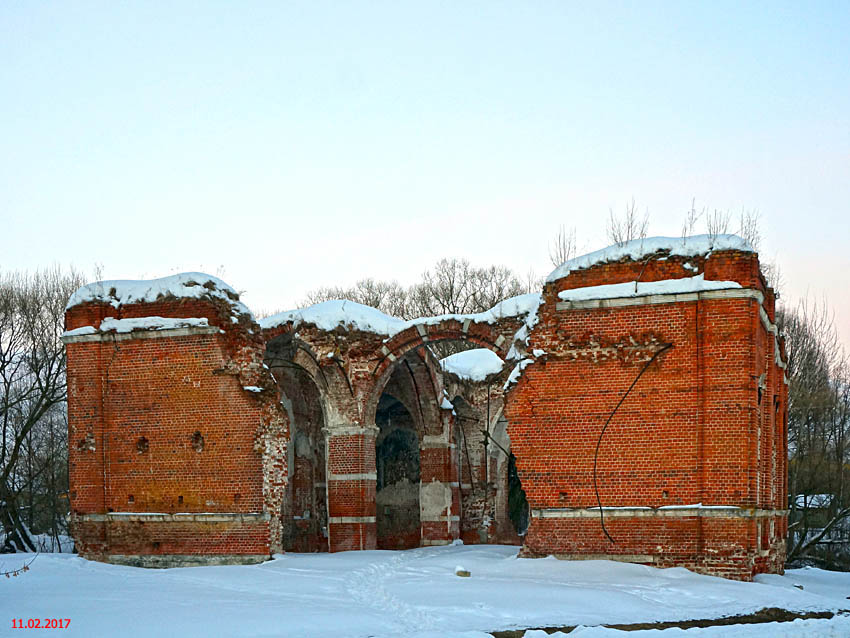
<point>439,509</point>
<point>351,479</point>
<point>86,457</point>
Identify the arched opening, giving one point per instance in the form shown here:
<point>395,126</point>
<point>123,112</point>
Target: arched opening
<point>461,476</point>
<point>304,512</point>
<point>415,506</point>
<point>398,473</point>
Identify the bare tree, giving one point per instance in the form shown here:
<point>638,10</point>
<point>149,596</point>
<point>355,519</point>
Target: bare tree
<point>447,288</point>
<point>387,296</point>
<point>717,223</point>
<point>32,396</point>
<point>691,218</point>
<point>454,286</point>
<point>628,226</point>
<point>750,227</point>
<point>531,282</point>
<point>818,429</point>
<point>494,284</point>
<point>563,248</point>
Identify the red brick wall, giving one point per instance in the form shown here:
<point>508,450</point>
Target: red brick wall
<point>163,425</point>
<point>154,538</point>
<point>692,430</point>
<point>706,424</point>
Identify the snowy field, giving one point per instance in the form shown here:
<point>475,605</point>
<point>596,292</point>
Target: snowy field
<point>411,593</point>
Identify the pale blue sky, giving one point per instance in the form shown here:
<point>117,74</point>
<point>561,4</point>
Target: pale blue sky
<point>307,144</point>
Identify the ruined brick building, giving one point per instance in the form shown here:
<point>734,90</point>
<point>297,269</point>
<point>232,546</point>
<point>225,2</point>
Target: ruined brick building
<point>646,378</point>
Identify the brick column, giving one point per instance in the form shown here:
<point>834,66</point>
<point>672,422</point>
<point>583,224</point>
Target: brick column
<point>351,479</point>
<point>439,510</point>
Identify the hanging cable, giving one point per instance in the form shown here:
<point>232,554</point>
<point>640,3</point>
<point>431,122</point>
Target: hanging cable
<point>664,348</point>
<point>19,570</point>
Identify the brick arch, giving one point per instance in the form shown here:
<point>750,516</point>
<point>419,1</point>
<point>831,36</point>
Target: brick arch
<point>298,354</point>
<point>485,335</point>
<point>392,352</point>
<point>303,392</point>
<point>335,390</point>
<point>426,389</point>
<point>411,409</point>
<point>420,385</point>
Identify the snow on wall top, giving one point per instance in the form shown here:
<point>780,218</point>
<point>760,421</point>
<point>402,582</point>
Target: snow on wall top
<point>643,288</point>
<point>328,315</point>
<point>475,365</point>
<point>521,305</point>
<point>110,324</point>
<point>192,285</point>
<point>637,249</point>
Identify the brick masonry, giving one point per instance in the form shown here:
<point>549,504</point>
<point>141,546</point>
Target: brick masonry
<point>706,423</point>
<point>229,443</point>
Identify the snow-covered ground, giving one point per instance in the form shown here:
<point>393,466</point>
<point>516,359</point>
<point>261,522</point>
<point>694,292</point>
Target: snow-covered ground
<point>411,593</point>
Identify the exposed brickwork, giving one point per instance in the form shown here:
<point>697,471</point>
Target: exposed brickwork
<point>483,459</point>
<point>163,424</point>
<point>117,537</point>
<point>692,431</point>
<point>272,434</point>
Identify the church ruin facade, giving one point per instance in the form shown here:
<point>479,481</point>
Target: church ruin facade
<point>634,410</point>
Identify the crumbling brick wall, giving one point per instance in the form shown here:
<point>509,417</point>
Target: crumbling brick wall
<point>170,455</point>
<point>692,463</point>
<point>182,452</point>
<point>483,455</point>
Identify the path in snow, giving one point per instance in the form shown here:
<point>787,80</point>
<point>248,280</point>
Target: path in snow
<point>407,594</point>
<point>369,586</point>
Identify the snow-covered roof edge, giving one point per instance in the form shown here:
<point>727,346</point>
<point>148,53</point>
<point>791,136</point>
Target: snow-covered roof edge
<point>640,248</point>
<point>643,288</point>
<point>192,285</point>
<point>327,315</point>
<point>111,324</point>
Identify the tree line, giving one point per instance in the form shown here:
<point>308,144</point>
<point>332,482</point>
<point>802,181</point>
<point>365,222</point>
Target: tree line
<point>818,436</point>
<point>33,391</point>
<point>33,409</point>
<point>451,286</point>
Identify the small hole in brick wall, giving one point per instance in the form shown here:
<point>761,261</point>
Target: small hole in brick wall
<point>156,544</point>
<point>180,500</point>
<point>237,497</point>
<point>130,499</point>
<point>563,497</point>
<point>142,445</point>
<point>109,509</point>
<point>198,441</point>
<point>665,494</point>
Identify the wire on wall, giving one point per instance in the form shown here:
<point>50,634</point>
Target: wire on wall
<point>658,353</point>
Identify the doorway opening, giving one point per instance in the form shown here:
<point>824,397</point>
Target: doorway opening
<point>398,473</point>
